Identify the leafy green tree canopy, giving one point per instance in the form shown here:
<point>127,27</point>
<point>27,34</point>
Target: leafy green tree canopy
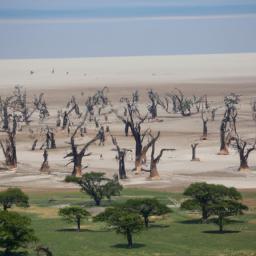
<point>74,214</point>
<point>124,222</point>
<point>13,196</point>
<point>97,186</point>
<point>147,207</point>
<point>15,232</point>
<point>204,195</point>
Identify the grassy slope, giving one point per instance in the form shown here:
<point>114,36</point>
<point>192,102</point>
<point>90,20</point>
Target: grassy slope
<point>176,234</point>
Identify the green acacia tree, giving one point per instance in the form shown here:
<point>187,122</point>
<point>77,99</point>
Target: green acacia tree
<point>201,195</point>
<point>112,188</point>
<point>74,214</point>
<point>212,199</point>
<point>13,196</point>
<point>147,207</point>
<point>122,221</point>
<point>97,186</point>
<point>15,232</point>
<point>227,204</point>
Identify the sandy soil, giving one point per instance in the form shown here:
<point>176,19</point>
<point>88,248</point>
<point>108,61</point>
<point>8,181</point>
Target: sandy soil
<point>214,75</point>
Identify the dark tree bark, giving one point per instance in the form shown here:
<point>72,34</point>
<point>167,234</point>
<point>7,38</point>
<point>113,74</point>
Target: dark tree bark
<point>244,149</point>
<point>155,160</point>
<point>9,147</point>
<point>129,239</point>
<point>205,128</point>
<point>76,154</point>
<point>194,146</point>
<point>227,129</point>
<point>45,165</point>
<point>34,145</point>
<point>121,158</point>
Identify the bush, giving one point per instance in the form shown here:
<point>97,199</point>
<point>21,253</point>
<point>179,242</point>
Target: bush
<point>15,232</point>
<point>70,178</point>
<point>13,196</point>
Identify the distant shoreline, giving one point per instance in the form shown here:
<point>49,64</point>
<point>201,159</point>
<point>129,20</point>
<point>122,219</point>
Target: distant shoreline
<point>119,19</point>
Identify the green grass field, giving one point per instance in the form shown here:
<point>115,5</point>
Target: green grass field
<point>179,233</point>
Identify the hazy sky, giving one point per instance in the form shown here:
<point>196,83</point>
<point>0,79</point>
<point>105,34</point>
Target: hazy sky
<point>40,28</point>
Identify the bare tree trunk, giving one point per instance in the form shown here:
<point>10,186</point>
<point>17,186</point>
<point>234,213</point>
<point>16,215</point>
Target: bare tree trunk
<point>34,145</point>
<point>45,165</point>
<point>154,175</point>
<point>194,146</point>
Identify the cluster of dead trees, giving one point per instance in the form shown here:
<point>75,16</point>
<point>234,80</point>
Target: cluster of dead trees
<point>16,110</point>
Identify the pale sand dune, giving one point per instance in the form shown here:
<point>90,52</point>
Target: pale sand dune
<point>215,75</point>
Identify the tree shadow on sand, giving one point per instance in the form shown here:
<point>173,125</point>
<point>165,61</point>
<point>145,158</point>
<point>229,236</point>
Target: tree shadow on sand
<point>125,246</point>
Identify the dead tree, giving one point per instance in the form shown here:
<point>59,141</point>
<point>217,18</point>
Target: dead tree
<point>155,160</point>
<point>228,123</point>
<point>41,106</point>
<point>9,146</point>
<point>154,102</point>
<point>121,158</point>
<point>45,165</point>
<point>133,122</point>
<point>72,105</point>
<point>97,102</point>
<point>193,147</point>
<point>213,113</point>
<point>198,103</point>
<point>58,120</point>
<point>77,155</point>
<point>183,104</point>
<point>34,145</point>
<point>244,149</point>
<point>20,104</point>
<point>49,142</point>
<point>205,128</point>
<point>4,110</point>
<point>101,135</point>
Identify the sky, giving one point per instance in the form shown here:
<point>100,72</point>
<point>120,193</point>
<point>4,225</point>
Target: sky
<point>83,28</point>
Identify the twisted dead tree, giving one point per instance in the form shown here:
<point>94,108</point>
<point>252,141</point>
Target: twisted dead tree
<point>198,103</point>
<point>133,122</point>
<point>205,122</point>
<point>49,142</point>
<point>41,106</point>
<point>193,147</point>
<point>9,145</point>
<point>96,103</point>
<point>73,106</point>
<point>155,101</point>
<point>155,159</point>
<point>5,104</point>
<point>77,155</point>
<point>181,104</point>
<point>228,123</point>
<point>20,104</point>
<point>244,148</point>
<point>121,158</point>
<point>45,165</point>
